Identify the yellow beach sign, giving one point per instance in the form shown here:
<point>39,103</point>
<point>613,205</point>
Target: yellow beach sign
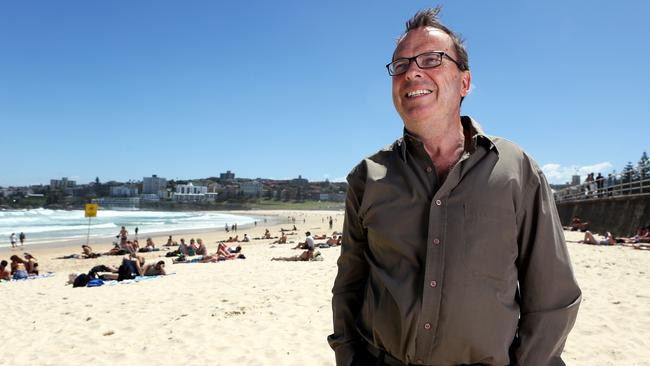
<point>91,210</point>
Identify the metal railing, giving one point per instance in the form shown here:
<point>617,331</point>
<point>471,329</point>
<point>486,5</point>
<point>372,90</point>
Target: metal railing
<point>614,186</point>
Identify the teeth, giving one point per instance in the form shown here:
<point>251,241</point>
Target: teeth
<point>417,93</point>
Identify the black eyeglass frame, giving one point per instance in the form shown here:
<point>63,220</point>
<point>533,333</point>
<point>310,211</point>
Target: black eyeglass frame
<point>415,58</point>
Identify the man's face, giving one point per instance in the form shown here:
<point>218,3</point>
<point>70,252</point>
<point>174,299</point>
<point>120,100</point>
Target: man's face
<point>441,87</point>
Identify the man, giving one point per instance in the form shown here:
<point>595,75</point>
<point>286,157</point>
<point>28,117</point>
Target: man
<point>22,238</point>
<point>452,252</point>
<point>308,244</point>
<point>12,239</point>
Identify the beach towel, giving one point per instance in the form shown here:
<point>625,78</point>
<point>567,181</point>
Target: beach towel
<point>33,277</point>
<point>135,280</point>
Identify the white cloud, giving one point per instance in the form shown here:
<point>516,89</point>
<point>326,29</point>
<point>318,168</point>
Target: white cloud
<point>339,179</point>
<point>559,174</point>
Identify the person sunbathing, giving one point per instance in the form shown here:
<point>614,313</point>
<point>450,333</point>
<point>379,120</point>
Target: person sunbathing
<point>333,241</point>
<point>302,257</point>
<point>320,237</point>
<point>170,242</point>
<point>282,240</point>
<point>185,249</point>
<point>578,225</point>
<point>116,250</point>
<point>267,234</point>
<point>245,239</point>
<point>86,252</point>
<point>131,267</point>
<point>590,239</point>
<point>4,274</point>
<point>201,249</point>
<point>127,246</point>
<point>18,266</point>
<point>157,269</point>
<point>108,272</point>
<point>307,244</point>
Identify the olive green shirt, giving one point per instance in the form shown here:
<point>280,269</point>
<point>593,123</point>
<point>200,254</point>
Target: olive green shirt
<point>470,270</point>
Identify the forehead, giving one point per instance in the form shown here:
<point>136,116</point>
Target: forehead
<point>422,40</point>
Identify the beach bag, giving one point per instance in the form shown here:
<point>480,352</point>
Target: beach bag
<point>124,273</point>
<point>95,283</point>
<point>81,280</point>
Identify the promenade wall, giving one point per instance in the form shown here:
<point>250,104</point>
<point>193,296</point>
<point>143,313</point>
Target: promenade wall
<point>620,215</point>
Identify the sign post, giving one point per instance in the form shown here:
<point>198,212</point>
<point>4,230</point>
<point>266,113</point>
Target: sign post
<point>91,211</point>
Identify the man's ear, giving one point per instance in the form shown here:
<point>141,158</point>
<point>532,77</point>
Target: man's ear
<point>466,83</point>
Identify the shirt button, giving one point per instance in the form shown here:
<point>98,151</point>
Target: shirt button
<point>433,283</point>
<point>427,326</point>
<point>428,169</point>
<point>436,241</point>
<point>438,202</point>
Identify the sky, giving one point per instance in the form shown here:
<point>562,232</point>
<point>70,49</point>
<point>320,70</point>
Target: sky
<point>125,89</point>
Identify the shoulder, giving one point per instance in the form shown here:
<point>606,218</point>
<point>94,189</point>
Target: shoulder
<point>375,163</point>
<point>514,158</point>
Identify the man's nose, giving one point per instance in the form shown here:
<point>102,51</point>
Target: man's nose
<point>413,71</point>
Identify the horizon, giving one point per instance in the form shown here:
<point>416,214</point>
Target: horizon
<point>279,90</point>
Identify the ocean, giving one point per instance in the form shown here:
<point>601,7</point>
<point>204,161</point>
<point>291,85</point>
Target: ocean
<point>43,226</point>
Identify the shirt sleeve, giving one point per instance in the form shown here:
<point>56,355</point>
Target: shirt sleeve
<point>548,291</point>
<point>351,278</point>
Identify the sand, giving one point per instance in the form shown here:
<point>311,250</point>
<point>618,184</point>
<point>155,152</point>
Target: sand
<point>259,312</point>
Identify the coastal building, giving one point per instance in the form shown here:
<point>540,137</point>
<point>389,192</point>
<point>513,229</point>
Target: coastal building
<point>300,180</point>
<point>151,197</point>
<point>191,193</point>
<point>154,185</point>
<point>228,175</point>
<point>575,180</point>
<point>62,184</point>
<point>117,202</point>
<point>123,191</point>
<point>251,188</point>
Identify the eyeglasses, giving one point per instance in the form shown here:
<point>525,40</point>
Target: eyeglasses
<point>427,60</point>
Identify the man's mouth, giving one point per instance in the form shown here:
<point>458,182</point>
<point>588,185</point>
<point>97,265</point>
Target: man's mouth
<point>418,93</point>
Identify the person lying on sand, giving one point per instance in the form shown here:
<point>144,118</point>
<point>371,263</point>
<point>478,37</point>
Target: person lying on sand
<point>157,269</point>
<point>86,252</point>
<point>590,239</point>
<point>116,250</point>
<point>642,236</point>
<point>334,241</point>
<point>302,257</point>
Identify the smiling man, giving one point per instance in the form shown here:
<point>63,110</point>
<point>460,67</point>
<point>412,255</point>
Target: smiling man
<point>452,253</point>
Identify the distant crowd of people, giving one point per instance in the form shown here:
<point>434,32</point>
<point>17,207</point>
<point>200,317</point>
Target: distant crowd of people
<point>133,264</point>
<point>638,240</point>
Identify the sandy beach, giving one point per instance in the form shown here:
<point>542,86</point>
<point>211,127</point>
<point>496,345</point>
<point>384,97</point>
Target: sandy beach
<point>260,312</point>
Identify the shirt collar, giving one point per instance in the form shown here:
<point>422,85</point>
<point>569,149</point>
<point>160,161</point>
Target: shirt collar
<point>469,124</point>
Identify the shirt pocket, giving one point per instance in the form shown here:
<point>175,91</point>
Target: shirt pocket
<point>489,240</point>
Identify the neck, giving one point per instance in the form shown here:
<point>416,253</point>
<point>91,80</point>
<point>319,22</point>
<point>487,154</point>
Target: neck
<point>444,142</point>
